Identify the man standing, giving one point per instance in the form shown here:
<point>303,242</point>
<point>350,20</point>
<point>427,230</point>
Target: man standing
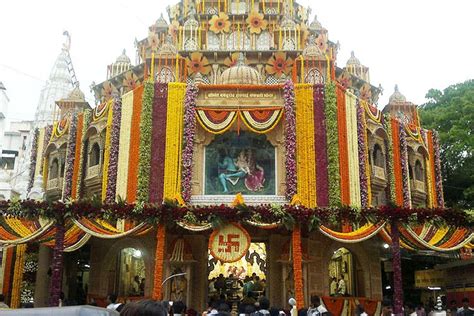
<point>316,309</point>
<point>465,310</point>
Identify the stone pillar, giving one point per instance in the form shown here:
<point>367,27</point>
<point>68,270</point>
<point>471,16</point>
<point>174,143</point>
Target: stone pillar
<point>42,278</point>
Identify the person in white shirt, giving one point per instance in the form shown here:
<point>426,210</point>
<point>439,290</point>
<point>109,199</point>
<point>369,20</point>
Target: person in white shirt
<point>360,311</point>
<point>410,309</point>
<point>316,309</point>
<point>112,301</point>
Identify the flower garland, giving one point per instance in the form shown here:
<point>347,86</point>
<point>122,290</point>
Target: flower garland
<point>57,265</point>
<point>397,165</point>
<point>343,150</point>
<point>145,143</point>
<point>430,172</point>
<point>245,87</point>
<point>174,137</point>
<point>351,123</point>
<point>108,136</point>
<point>48,130</point>
<point>189,134</point>
<point>18,275</point>
<point>159,259</point>
<point>290,140</point>
<point>39,152</point>
<point>77,155</point>
<point>86,119</point>
<point>298,266</point>
<point>305,153</point>
<point>387,125</point>
<point>160,112</point>
<point>114,150</point>
<point>320,146</point>
<point>437,166</point>
<point>124,141</point>
<point>134,150</point>
<point>364,190</point>
<point>404,165</point>
<point>70,155</point>
<point>367,166</point>
<point>34,152</point>
<point>332,144</point>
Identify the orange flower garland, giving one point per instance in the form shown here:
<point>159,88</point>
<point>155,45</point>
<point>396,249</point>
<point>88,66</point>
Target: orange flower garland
<point>431,161</point>
<point>159,257</point>
<point>77,155</point>
<point>18,275</point>
<point>134,145</point>
<point>343,151</point>
<point>298,266</point>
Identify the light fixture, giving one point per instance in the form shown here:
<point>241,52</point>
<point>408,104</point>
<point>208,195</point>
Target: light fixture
<point>434,288</point>
<point>137,253</point>
<point>388,287</point>
<point>386,246</point>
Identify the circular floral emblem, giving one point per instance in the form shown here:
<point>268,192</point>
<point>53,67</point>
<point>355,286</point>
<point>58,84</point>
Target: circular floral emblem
<point>229,243</point>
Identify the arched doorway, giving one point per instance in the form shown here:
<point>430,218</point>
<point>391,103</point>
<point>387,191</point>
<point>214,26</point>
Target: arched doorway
<point>130,279</point>
<point>341,273</point>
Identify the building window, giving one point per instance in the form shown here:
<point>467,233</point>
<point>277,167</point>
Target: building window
<point>53,174</point>
<point>377,156</point>
<point>418,171</point>
<point>95,155</point>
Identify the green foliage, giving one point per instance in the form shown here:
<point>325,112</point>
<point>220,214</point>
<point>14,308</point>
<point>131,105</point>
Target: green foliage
<point>332,136</point>
<point>451,113</point>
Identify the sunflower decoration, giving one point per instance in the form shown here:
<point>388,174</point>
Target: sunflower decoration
<point>233,59</point>
<point>173,28</point>
<point>220,23</point>
<point>130,81</point>
<point>153,41</point>
<point>108,90</point>
<point>198,63</point>
<point>365,92</point>
<point>256,22</point>
<point>322,42</point>
<point>345,79</point>
<point>279,64</point>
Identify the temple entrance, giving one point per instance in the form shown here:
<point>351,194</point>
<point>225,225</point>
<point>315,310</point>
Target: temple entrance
<point>243,280</point>
<point>131,276</point>
<point>341,273</point>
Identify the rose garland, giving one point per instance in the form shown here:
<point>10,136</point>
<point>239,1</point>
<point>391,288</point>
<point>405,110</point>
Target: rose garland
<point>437,164</point>
<point>189,134</point>
<point>70,155</point>
<point>364,192</point>
<point>80,172</point>
<point>34,152</point>
<point>404,164</point>
<point>114,149</point>
<point>290,140</point>
<point>332,144</point>
<point>387,124</point>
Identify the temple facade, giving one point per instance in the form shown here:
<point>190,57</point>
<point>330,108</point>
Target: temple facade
<point>231,103</point>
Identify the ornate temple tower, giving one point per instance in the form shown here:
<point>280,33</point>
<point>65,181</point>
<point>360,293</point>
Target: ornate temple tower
<point>355,68</point>
<point>399,107</point>
<point>121,65</point>
<point>60,83</point>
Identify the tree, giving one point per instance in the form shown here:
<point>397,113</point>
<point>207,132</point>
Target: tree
<point>451,113</point>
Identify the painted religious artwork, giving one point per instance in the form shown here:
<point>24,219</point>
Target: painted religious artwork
<point>240,163</point>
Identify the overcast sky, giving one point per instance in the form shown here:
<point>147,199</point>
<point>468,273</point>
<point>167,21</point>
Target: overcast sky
<point>418,44</point>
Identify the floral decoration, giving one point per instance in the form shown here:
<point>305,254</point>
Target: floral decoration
<point>189,134</point>
<point>198,63</point>
<point>361,131</point>
<point>365,92</point>
<point>387,124</point>
<point>34,153</point>
<point>220,23</point>
<point>279,64</point>
<point>107,149</point>
<point>290,139</point>
<point>130,81</point>
<point>322,42</point>
<point>159,260</point>
<point>57,265</point>
<point>256,22</point>
<point>108,90</point>
<point>70,155</point>
<point>145,143</point>
<point>86,121</point>
<point>173,28</point>
<point>437,165</point>
<point>17,276</point>
<point>304,31</point>
<point>404,164</point>
<point>297,265</point>
<point>345,79</point>
<point>232,60</point>
<point>114,150</point>
<point>153,41</point>
<point>332,139</point>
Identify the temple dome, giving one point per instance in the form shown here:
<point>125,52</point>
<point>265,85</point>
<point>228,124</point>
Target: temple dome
<point>397,97</point>
<point>123,58</point>
<point>161,22</point>
<point>353,60</point>
<point>315,25</point>
<point>76,95</point>
<point>240,73</point>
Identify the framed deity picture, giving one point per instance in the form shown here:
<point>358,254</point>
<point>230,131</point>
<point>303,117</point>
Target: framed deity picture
<point>240,163</point>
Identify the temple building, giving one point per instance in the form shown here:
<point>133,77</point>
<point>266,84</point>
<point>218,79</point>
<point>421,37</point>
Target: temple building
<point>231,104</point>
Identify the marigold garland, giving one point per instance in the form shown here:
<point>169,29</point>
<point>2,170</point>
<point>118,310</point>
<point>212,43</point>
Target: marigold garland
<point>437,164</point>
<point>34,152</point>
<point>70,155</point>
<point>77,155</point>
<point>298,266</point>
<point>87,116</point>
<point>343,150</point>
<point>305,153</point>
<point>145,143</point>
<point>430,172</point>
<point>332,144</point>
<point>124,141</point>
<point>114,150</point>
<point>134,145</point>
<point>159,258</point>
<point>189,134</point>
<point>18,275</point>
<point>108,136</point>
<point>290,140</point>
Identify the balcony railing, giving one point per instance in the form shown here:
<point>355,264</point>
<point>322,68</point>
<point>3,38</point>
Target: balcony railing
<point>418,185</point>
<point>93,171</point>
<point>56,183</point>
<point>378,172</point>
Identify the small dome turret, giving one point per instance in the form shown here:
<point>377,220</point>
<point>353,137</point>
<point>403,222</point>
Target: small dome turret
<point>397,97</point>
<point>353,60</point>
<point>240,73</point>
<point>123,58</point>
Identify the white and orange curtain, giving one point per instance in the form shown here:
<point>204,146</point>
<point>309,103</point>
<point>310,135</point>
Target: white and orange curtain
<point>218,121</point>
